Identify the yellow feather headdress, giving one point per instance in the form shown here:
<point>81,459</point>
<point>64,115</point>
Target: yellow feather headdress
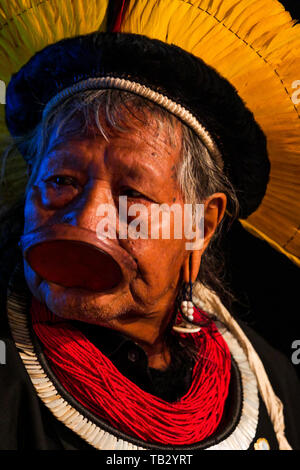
<point>253,43</point>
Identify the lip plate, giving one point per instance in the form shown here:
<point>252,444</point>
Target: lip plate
<point>65,232</point>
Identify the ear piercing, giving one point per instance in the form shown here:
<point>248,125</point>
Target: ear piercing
<point>187,309</point>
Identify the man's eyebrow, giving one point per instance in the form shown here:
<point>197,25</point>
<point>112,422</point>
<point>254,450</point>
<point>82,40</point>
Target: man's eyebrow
<point>138,172</point>
<point>65,157</point>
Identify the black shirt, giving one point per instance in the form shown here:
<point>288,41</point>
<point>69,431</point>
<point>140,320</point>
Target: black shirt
<point>132,361</point>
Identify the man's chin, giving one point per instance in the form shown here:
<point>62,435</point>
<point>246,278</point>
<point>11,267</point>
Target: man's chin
<point>76,303</point>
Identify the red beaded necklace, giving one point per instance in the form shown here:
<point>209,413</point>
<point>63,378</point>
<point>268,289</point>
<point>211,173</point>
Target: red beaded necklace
<point>92,379</point>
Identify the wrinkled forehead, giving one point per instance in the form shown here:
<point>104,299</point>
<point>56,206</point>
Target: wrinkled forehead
<point>111,114</point>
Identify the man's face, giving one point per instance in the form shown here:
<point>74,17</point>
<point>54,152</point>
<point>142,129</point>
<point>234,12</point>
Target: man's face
<point>140,164</point>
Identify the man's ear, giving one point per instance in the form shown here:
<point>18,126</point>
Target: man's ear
<point>214,209</point>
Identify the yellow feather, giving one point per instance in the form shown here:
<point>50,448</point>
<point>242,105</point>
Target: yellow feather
<point>30,25</point>
<point>255,44</point>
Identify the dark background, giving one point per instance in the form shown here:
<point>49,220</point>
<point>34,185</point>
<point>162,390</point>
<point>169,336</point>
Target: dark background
<point>293,6</point>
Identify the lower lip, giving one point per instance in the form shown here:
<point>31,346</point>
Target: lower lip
<point>72,264</point>
<point>79,291</point>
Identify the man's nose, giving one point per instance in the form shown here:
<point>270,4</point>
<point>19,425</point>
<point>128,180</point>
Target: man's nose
<point>86,211</point>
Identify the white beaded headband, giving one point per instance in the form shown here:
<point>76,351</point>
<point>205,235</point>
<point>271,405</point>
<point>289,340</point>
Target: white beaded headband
<point>134,87</point>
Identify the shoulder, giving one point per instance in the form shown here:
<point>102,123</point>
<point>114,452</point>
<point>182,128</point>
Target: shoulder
<point>16,397</point>
<point>284,380</point>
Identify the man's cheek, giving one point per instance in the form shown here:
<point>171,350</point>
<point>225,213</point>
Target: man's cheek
<point>159,261</point>
<point>32,213</point>
<point>36,214</point>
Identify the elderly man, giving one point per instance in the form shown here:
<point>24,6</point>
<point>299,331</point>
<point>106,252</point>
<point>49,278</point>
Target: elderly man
<point>117,338</point>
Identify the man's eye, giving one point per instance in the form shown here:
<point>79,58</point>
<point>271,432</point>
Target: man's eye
<point>62,180</point>
<point>132,193</point>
